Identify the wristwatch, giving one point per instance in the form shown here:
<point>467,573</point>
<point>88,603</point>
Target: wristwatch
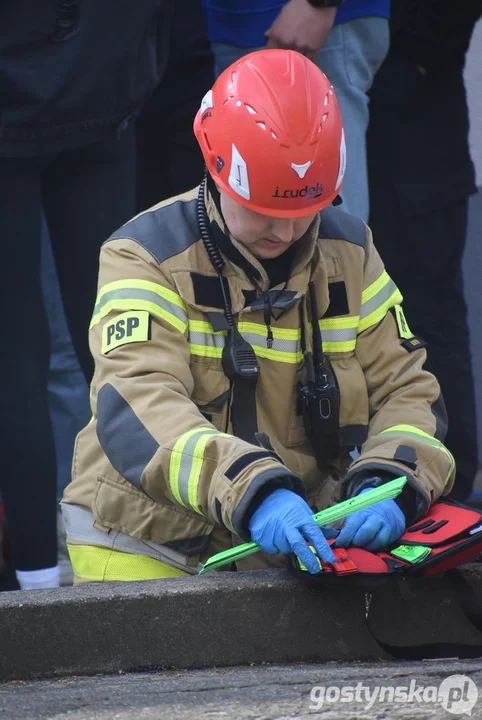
<point>325,3</point>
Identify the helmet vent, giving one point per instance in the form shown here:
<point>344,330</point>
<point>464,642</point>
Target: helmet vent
<point>261,125</point>
<point>227,100</point>
<point>250,109</point>
<point>274,135</point>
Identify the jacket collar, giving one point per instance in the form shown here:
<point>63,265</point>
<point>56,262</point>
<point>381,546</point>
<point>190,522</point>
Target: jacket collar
<point>244,262</point>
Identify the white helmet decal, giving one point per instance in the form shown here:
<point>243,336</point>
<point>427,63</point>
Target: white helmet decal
<point>301,169</point>
<point>342,166</point>
<point>238,174</point>
<point>207,101</point>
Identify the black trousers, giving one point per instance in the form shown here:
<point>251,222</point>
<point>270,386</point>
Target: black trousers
<point>86,194</point>
<point>423,256</point>
<point>421,176</point>
<point>169,160</point>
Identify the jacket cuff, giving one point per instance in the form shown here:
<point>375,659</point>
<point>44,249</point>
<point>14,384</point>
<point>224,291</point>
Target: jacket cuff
<point>263,485</point>
<point>411,501</point>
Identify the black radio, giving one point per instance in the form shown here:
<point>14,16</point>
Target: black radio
<point>319,399</point>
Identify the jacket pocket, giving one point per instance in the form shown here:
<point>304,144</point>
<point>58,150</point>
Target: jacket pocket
<point>211,392</point>
<point>118,505</point>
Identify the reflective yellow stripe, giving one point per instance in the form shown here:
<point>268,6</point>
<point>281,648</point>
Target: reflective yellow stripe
<point>278,355</point>
<point>204,341</point>
<point>203,326</point>
<point>378,314</point>
<point>196,467</point>
<point>339,347</point>
<point>403,329</point>
<point>303,567</point>
<point>375,287</point>
<point>377,299</point>
<point>90,562</point>
<point>288,334</point>
<point>137,294</point>
<point>286,348</point>
<point>338,334</point>
<point>186,463</point>
<point>205,350</point>
<point>286,342</point>
<point>339,323</point>
<point>416,434</point>
<point>410,429</point>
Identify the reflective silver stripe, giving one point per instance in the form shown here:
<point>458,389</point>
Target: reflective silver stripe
<point>206,339</point>
<point>342,335</point>
<point>138,294</point>
<point>280,345</point>
<point>79,526</point>
<point>377,300</point>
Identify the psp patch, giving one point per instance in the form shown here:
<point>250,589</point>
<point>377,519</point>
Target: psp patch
<point>130,327</point>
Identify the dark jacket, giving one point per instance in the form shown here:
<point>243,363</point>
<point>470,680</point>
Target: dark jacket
<point>419,123</point>
<point>72,71</point>
<point>435,34</point>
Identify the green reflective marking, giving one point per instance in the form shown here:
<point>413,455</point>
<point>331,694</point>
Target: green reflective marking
<point>411,553</point>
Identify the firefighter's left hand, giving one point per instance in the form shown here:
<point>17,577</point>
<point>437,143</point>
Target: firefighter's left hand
<point>374,527</point>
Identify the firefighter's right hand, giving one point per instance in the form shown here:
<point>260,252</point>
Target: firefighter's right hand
<point>283,523</point>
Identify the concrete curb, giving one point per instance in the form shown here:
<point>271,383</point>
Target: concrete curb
<point>226,619</point>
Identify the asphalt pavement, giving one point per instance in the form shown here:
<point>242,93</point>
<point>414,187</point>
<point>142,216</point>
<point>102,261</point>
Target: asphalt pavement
<point>412,691</point>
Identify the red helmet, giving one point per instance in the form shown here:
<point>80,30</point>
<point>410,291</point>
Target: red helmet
<point>271,134</point>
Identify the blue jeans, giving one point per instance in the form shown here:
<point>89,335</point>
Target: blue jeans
<point>68,393</point>
<point>350,57</point>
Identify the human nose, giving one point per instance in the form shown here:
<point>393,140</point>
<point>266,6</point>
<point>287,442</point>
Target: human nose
<point>283,229</point>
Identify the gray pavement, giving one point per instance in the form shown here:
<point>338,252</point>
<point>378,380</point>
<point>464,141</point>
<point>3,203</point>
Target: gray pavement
<point>266,692</point>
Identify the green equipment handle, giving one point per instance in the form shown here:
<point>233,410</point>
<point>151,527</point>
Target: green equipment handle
<point>336,512</point>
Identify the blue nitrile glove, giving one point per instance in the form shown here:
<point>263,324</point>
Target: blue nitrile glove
<point>374,527</point>
<point>282,524</point>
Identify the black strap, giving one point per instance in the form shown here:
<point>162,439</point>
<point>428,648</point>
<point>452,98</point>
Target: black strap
<point>244,416</point>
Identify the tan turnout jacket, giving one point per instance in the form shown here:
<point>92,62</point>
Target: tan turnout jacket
<point>158,462</point>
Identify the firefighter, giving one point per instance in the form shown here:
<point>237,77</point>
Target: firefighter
<point>247,338</point>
